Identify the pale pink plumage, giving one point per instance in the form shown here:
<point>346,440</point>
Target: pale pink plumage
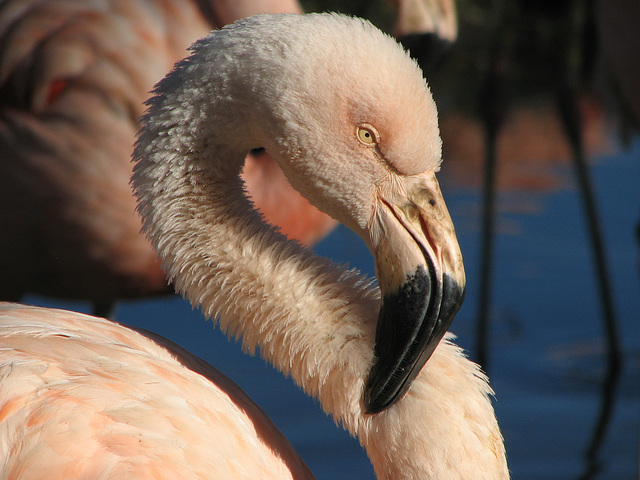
<point>82,397</point>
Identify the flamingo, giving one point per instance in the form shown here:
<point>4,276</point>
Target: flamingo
<point>73,78</point>
<point>349,118</point>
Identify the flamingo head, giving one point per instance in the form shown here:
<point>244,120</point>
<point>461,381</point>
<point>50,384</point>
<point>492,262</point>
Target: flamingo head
<point>357,133</point>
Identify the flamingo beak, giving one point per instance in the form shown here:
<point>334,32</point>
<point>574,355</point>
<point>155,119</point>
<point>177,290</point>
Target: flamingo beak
<point>421,275</point>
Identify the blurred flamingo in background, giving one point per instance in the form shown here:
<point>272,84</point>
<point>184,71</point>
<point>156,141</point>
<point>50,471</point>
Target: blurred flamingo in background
<point>73,76</point>
<point>427,28</point>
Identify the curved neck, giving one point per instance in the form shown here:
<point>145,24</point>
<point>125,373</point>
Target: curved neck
<point>308,317</point>
<point>303,312</point>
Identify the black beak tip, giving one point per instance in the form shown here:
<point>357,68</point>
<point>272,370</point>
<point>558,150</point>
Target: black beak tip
<point>411,324</point>
<point>376,398</point>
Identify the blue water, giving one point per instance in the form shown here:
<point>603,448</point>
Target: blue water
<point>547,357</point>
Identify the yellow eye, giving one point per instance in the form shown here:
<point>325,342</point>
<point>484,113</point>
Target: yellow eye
<point>367,135</point>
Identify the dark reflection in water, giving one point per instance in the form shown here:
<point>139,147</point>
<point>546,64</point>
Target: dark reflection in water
<point>593,464</point>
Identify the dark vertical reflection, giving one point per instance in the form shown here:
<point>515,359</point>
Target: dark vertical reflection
<point>571,120</point>
<point>579,13</point>
<point>592,464</point>
<point>492,114</point>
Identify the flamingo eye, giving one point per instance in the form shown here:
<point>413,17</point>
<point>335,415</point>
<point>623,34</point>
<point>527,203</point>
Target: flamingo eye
<point>367,135</point>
